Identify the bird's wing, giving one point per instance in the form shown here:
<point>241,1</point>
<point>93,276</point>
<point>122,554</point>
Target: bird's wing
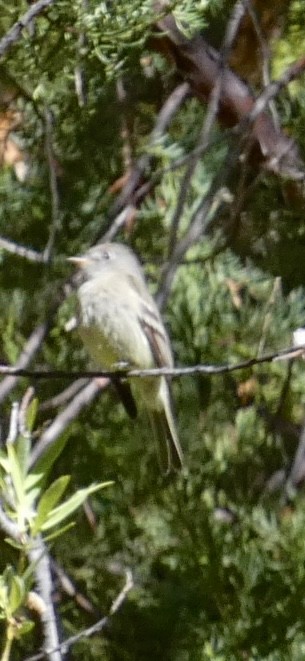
<point>156,334</point>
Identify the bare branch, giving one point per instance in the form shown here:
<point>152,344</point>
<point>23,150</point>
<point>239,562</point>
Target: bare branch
<point>199,64</point>
<point>79,76</point>
<point>14,426</point>
<point>202,217</point>
<point>297,472</point>
<point>125,133</point>
<point>290,353</point>
<point>119,221</point>
<point>31,347</point>
<point>101,624</point>
<point>23,409</point>
<point>24,22</point>
<point>126,199</point>
<point>63,397</point>
<point>39,557</point>
<point>69,588</point>
<point>65,417</point>
<point>9,527</point>
<point>212,110</point>
<point>21,251</point>
<point>53,184</point>
<point>265,53</point>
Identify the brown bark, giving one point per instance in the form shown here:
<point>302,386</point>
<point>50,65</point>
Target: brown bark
<point>203,67</point>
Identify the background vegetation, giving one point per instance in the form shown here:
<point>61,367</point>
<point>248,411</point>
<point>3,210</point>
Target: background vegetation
<point>217,553</point>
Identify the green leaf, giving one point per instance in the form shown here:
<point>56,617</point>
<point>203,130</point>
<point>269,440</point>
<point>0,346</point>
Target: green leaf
<point>23,447</point>
<point>32,413</point>
<point>30,500</point>
<point>61,512</point>
<point>59,531</point>
<point>31,480</point>
<point>49,499</point>
<point>15,472</point>
<point>24,628</point>
<point>4,462</point>
<point>15,545</point>
<point>44,464</point>
<point>17,593</point>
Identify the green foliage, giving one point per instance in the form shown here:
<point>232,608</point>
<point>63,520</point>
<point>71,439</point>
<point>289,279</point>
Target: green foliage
<point>217,553</point>
<point>34,511</point>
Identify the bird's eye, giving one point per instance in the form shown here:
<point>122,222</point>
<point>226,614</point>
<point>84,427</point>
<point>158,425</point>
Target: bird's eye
<point>106,254</point>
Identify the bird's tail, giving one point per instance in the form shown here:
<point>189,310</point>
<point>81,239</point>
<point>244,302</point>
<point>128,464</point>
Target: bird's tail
<point>165,432</point>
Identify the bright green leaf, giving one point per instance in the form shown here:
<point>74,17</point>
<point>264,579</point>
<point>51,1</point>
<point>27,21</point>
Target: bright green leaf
<point>17,593</point>
<point>32,413</point>
<point>15,472</point>
<point>31,480</point>
<point>23,448</point>
<point>66,509</point>
<point>58,532</point>
<point>49,499</point>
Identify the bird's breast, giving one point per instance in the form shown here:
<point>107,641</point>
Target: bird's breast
<point>111,331</point>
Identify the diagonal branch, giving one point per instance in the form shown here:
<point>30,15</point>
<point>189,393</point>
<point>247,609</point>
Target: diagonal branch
<point>31,347</point>
<point>65,417</point>
<point>204,138</point>
<point>130,195</point>
<point>198,63</point>
<point>15,249</point>
<point>101,624</point>
<point>25,21</point>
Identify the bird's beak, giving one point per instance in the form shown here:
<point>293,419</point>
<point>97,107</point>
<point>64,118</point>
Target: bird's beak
<point>79,261</point>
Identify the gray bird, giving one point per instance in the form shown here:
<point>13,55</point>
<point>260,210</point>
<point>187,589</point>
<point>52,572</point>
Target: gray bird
<point>120,324</point>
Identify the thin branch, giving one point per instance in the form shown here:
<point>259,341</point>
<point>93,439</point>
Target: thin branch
<point>265,53</point>
<point>63,397</point>
<point>290,353</point>
<point>296,69</point>
<point>14,424</point>
<point>100,625</point>
<point>36,552</point>
<point>52,183</point>
<point>24,22</point>
<point>205,212</point>
<point>31,347</point>
<point>237,15</point>
<point>23,410</point>
<point>79,76</point>
<point>9,527</point>
<point>65,417</point>
<point>269,313</point>
<point>125,132</point>
<point>69,588</point>
<point>21,251</point>
<point>39,557</point>
<point>210,203</point>
<point>139,171</point>
<point>199,63</point>
<point>118,222</point>
<point>297,472</point>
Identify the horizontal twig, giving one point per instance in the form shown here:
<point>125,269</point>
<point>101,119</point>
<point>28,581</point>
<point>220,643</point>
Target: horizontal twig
<point>290,353</point>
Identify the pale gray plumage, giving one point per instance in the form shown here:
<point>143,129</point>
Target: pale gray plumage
<point>121,324</point>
